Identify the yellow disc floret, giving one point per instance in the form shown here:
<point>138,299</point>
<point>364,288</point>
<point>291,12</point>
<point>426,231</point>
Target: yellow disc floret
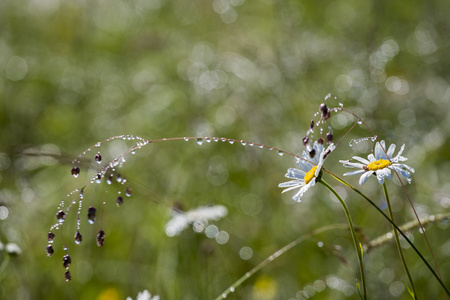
<point>310,174</point>
<point>378,165</point>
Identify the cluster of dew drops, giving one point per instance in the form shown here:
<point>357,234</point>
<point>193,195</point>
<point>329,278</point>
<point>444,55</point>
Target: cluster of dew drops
<point>318,120</point>
<point>109,173</point>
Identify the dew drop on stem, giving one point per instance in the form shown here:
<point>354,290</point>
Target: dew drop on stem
<point>75,172</point>
<point>92,211</point>
<point>66,261</point>
<point>60,216</point>
<point>100,238</point>
<point>50,237</point>
<point>67,276</point>
<point>49,250</point>
<point>199,141</point>
<point>128,192</point>
<point>78,237</point>
<point>98,158</point>
<point>119,201</point>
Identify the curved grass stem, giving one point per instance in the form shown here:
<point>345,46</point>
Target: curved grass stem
<point>396,227</point>
<point>277,254</point>
<point>397,241</point>
<point>352,230</point>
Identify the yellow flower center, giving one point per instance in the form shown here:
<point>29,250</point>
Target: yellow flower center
<point>378,165</point>
<point>310,174</point>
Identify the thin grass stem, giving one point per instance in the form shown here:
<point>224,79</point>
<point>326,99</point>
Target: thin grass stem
<point>277,254</point>
<point>352,230</point>
<point>397,241</point>
<point>396,227</point>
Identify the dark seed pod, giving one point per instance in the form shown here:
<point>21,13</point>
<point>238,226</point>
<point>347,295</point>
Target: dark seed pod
<point>92,211</point>
<point>66,261</point>
<point>119,200</point>
<point>50,236</point>
<point>49,250</point>
<point>305,140</point>
<point>311,126</point>
<point>100,238</point>
<point>329,138</point>
<point>67,275</point>
<point>98,158</point>
<point>75,171</point>
<point>78,237</point>
<point>60,216</point>
<point>312,153</point>
<point>323,108</point>
<point>320,141</point>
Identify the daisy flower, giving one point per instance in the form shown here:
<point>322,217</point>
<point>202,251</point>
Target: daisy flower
<point>379,164</point>
<point>310,166</point>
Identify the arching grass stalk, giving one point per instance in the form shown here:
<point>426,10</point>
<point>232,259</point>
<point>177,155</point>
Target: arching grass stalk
<point>397,241</point>
<point>395,226</point>
<point>358,247</point>
<point>277,254</point>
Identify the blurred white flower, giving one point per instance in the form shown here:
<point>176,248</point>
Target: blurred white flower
<point>310,166</point>
<point>200,215</point>
<point>379,164</point>
<point>144,295</point>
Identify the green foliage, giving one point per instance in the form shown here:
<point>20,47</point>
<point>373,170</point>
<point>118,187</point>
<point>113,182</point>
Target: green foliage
<point>74,73</point>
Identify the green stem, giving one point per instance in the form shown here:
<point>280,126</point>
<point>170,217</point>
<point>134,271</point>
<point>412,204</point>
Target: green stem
<point>277,254</point>
<point>395,226</point>
<point>352,230</point>
<point>391,215</point>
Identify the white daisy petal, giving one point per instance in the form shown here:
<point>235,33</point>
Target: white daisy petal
<point>391,150</point>
<point>357,172</point>
<point>379,150</point>
<point>352,165</point>
<point>362,160</point>
<point>371,157</point>
<point>306,164</point>
<point>364,177</point>
<point>295,173</point>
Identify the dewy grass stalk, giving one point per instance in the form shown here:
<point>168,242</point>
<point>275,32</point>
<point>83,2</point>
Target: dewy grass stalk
<point>396,227</point>
<point>352,231</point>
<point>397,241</point>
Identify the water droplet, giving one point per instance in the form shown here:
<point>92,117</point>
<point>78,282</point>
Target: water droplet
<point>215,139</point>
<point>118,177</point>
<point>92,211</point>
<point>75,172</point>
<point>199,141</point>
<point>81,193</point>
<point>50,237</point>
<point>119,200</point>
<point>49,250</point>
<point>312,153</point>
<point>100,238</point>
<point>243,143</point>
<point>373,139</point>
<point>280,153</point>
<point>98,158</point>
<point>66,261</point>
<point>224,295</point>
<point>78,237</point>
<point>329,138</point>
<point>133,152</point>
<point>67,276</point>
<point>98,178</point>
<point>60,216</point>
<point>251,144</point>
<point>270,148</point>
<point>232,289</point>
<point>208,140</point>
<point>128,192</point>
<point>186,139</point>
<point>109,179</point>
<point>305,140</point>
<point>65,248</point>
<point>359,121</point>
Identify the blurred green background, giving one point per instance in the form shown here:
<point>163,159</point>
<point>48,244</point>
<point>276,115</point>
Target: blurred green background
<point>73,73</point>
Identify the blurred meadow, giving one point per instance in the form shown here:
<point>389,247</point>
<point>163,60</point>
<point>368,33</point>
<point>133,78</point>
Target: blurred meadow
<point>74,73</point>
